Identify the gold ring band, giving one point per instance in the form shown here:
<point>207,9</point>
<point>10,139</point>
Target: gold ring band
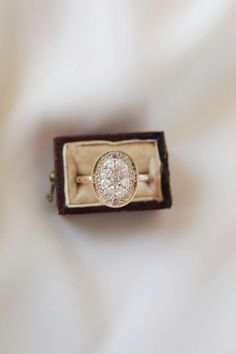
<point>89,179</point>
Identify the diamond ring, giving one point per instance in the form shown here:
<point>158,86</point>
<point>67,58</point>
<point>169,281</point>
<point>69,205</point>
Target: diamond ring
<point>114,179</point>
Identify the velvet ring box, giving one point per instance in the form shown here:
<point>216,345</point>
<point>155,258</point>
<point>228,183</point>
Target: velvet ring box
<point>76,155</point>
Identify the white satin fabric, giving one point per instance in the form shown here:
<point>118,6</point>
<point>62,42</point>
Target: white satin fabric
<point>129,283</point>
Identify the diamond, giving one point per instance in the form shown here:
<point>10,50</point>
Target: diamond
<point>115,179</point>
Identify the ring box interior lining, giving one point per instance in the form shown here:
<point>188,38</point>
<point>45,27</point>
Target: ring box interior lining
<point>80,157</point>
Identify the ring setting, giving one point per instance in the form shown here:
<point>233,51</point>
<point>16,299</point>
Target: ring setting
<point>114,179</point>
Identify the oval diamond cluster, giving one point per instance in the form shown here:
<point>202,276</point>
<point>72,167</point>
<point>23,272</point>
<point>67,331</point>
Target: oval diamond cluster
<point>115,179</point>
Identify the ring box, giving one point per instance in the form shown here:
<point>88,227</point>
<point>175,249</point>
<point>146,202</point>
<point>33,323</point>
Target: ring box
<point>76,155</point>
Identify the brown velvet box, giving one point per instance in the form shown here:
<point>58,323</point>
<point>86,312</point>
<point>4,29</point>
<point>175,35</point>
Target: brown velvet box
<point>76,155</point>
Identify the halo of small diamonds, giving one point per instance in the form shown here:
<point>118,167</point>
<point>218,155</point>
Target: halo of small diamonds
<point>115,179</point>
